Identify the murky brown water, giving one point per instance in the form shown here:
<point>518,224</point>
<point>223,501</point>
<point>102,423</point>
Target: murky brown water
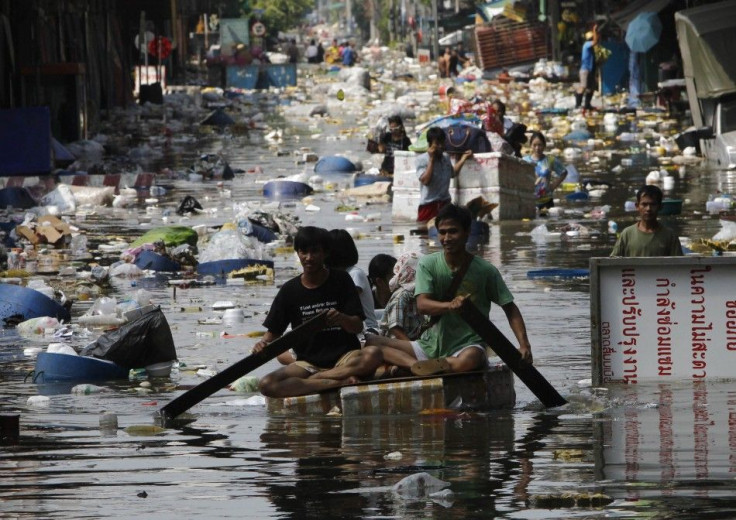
<point>654,451</point>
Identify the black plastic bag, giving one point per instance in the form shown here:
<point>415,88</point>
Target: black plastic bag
<point>137,344</point>
<point>188,205</point>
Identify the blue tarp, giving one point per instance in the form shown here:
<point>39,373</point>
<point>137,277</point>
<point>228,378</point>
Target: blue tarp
<point>25,141</point>
<point>616,66</point>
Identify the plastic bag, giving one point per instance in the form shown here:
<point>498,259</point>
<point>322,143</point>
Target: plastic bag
<point>37,326</point>
<point>139,343</point>
<point>62,198</point>
<point>727,232</point>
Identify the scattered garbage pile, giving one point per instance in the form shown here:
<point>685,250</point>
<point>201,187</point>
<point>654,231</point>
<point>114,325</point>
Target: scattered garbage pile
<point>142,341</point>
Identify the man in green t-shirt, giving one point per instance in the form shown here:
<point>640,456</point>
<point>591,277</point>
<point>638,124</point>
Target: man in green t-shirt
<point>647,237</point>
<point>451,345</point>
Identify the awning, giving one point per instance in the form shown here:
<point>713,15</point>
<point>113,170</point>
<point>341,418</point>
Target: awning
<point>705,35</point>
<point>489,10</point>
<point>628,13</point>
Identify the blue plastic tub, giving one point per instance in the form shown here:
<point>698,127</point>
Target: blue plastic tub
<point>28,303</point>
<point>156,262</point>
<point>18,198</point>
<point>363,179</point>
<point>334,164</point>
<point>280,188</point>
<point>51,366</point>
<point>262,233</point>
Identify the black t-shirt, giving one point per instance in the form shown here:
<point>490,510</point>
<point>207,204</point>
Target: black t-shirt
<point>391,145</point>
<point>295,304</point>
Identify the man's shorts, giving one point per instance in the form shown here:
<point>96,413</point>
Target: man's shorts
<point>428,211</point>
<point>422,356</point>
<point>313,369</point>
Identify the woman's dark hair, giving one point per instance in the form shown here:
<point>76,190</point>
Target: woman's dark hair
<point>435,135</point>
<point>380,266</point>
<point>453,211</point>
<point>501,107</point>
<point>309,237</point>
<point>395,119</point>
<point>538,135</point>
<point>343,254</point>
<point>650,191</point>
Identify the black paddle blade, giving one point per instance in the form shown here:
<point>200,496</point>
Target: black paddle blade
<point>297,336</point>
<point>495,339</point>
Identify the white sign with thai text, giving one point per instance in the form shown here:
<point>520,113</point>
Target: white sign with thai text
<point>663,319</point>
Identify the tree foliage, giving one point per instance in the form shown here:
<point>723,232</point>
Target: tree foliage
<point>278,15</point>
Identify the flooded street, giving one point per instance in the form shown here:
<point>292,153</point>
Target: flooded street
<point>655,451</point>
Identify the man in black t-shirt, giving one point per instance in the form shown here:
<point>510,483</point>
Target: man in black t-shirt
<point>333,356</point>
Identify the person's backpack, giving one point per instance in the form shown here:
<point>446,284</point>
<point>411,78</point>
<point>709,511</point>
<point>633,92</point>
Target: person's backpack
<point>516,136</point>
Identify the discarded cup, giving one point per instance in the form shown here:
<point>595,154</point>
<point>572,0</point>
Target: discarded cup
<point>233,317</point>
<point>108,423</point>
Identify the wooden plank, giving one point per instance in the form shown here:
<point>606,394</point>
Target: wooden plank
<point>299,335</point>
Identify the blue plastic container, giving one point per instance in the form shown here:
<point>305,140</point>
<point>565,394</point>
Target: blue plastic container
<point>334,164</point>
<point>363,179</point>
<point>262,233</point>
<point>283,189</point>
<point>51,366</point>
<point>223,267</point>
<point>28,303</point>
<point>19,198</point>
<point>156,262</point>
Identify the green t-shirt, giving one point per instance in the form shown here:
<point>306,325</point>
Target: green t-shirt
<point>482,282</point>
<point>632,242</point>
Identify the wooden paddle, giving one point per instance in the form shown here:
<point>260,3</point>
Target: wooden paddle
<point>528,374</point>
<point>208,387</point>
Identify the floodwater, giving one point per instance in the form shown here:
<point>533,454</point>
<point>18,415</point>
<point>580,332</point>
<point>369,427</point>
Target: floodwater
<point>658,451</point>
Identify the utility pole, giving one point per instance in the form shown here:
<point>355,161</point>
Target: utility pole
<point>554,16</point>
<point>436,35</point>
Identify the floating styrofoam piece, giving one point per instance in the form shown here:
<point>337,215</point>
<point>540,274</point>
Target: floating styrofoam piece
<point>38,401</point>
<point>419,485</point>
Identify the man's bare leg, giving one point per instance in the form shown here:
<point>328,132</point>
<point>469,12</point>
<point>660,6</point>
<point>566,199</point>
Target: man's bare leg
<point>363,364</point>
<point>469,359</point>
<point>293,380</point>
<point>398,352</point>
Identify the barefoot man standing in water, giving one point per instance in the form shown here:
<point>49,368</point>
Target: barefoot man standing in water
<point>332,357</point>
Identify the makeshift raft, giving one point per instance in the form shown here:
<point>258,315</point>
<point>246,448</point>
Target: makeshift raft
<point>498,178</point>
<point>490,389</point>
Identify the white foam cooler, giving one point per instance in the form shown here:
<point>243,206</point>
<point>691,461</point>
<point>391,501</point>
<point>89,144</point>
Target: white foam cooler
<point>499,178</point>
